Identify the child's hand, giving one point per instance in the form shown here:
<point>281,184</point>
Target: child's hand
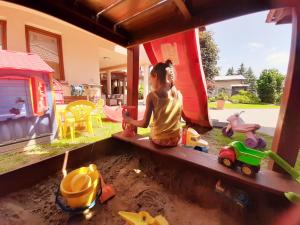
<point>127,119</point>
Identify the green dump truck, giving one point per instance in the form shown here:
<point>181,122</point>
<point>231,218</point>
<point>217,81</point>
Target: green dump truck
<point>237,154</point>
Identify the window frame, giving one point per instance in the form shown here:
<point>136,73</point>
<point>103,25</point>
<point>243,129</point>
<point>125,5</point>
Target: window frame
<point>3,24</point>
<point>29,28</point>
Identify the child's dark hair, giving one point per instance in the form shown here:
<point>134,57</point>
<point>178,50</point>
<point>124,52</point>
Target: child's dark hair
<point>164,71</point>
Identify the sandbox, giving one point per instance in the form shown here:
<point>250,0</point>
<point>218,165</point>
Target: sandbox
<point>143,181</point>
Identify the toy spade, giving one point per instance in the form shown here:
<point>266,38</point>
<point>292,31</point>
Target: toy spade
<point>142,218</point>
<point>108,191</point>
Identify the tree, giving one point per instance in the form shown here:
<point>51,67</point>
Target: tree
<point>230,71</point>
<point>251,80</point>
<point>241,70</point>
<point>269,85</point>
<point>279,82</point>
<point>209,55</point>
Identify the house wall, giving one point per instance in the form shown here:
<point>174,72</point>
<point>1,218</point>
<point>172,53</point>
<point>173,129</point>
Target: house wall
<point>220,85</point>
<point>80,48</point>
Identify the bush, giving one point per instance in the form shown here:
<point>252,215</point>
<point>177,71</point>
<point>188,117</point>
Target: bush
<point>278,99</point>
<point>269,85</point>
<point>141,92</point>
<point>222,96</point>
<point>245,97</point>
<point>211,99</point>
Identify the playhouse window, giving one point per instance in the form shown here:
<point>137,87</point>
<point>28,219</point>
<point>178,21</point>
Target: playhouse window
<point>3,44</point>
<point>15,99</point>
<point>48,46</point>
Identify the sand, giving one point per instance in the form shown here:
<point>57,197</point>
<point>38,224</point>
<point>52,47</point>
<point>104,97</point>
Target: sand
<point>142,183</point>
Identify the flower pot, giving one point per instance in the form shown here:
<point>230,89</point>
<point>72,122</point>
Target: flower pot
<point>220,104</point>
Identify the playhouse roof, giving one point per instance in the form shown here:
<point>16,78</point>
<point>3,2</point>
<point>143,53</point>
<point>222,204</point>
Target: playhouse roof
<point>22,61</point>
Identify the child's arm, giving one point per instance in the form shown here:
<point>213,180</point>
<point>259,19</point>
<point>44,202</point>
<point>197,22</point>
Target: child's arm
<point>147,115</point>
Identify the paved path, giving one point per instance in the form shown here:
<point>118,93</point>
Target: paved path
<point>267,118</point>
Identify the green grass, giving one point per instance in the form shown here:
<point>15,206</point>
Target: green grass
<point>13,160</point>
<point>213,105</point>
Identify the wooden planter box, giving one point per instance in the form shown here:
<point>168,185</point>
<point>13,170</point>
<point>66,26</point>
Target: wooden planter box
<point>220,104</point>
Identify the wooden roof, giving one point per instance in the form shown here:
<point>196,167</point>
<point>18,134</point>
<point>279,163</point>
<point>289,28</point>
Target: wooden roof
<point>131,22</point>
<point>280,16</point>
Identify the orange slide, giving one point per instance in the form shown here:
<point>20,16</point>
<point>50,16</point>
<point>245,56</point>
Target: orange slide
<point>184,51</point>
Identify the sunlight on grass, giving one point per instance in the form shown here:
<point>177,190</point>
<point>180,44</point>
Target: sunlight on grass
<point>212,105</point>
<point>13,160</point>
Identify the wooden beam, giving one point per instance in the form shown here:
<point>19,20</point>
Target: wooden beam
<point>211,12</point>
<point>108,68</point>
<point>265,180</point>
<point>286,140</point>
<point>183,9</point>
<point>4,34</point>
<point>133,77</point>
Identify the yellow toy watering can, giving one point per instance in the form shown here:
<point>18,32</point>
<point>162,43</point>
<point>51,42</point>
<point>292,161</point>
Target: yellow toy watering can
<point>142,218</point>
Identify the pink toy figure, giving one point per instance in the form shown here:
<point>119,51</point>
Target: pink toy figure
<point>128,129</point>
<point>236,123</point>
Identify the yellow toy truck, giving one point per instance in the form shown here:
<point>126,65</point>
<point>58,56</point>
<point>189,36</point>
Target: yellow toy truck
<point>191,139</point>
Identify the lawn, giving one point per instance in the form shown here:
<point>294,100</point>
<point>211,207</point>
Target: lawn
<point>212,105</point>
<point>13,160</point>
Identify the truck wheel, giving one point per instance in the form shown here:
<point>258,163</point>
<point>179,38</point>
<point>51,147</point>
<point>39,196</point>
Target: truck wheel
<point>248,170</point>
<point>226,162</point>
<point>201,149</point>
<point>257,169</point>
<point>226,133</point>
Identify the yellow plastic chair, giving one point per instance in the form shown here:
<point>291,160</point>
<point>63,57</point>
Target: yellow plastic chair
<point>97,113</point>
<point>78,113</point>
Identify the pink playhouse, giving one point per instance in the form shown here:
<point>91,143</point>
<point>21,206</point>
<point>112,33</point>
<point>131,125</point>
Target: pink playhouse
<point>26,102</point>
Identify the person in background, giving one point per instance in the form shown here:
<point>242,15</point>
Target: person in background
<point>165,103</point>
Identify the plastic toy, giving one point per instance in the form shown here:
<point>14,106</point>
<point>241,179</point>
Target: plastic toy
<point>108,191</point>
<point>241,198</point>
<point>128,129</point>
<point>237,154</point>
<point>142,218</point>
<point>292,197</point>
<point>191,139</point>
<point>80,189</point>
<point>97,113</point>
<point>26,105</point>
<point>237,124</point>
<point>77,113</point>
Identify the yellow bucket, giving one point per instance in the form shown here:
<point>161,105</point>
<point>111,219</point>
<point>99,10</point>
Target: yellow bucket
<point>80,186</point>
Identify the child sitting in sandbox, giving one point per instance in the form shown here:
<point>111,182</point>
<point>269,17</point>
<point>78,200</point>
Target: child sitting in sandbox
<point>165,102</point>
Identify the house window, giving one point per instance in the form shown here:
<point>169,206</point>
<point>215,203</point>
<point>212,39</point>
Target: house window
<point>3,39</point>
<point>48,46</point>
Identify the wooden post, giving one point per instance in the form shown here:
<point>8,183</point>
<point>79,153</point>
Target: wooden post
<point>108,83</point>
<point>133,77</point>
<point>286,140</point>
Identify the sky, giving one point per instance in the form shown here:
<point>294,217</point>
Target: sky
<point>250,40</point>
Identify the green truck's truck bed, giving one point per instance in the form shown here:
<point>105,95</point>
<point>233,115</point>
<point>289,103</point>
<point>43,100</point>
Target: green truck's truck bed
<point>253,157</point>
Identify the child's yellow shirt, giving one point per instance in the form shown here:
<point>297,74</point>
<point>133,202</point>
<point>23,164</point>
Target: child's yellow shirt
<point>166,115</point>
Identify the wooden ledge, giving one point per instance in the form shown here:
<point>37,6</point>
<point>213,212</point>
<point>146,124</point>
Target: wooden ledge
<point>265,180</point>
